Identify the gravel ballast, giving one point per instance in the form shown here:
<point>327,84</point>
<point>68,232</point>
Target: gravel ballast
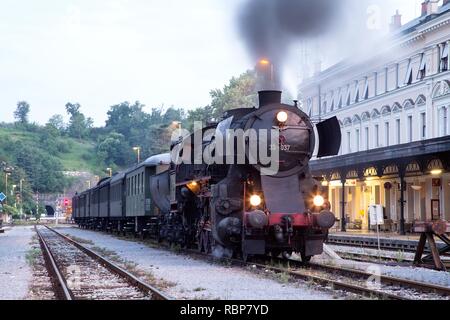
<point>196,279</point>
<point>15,274</point>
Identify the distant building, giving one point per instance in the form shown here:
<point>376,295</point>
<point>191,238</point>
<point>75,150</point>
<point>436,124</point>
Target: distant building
<point>394,110</point>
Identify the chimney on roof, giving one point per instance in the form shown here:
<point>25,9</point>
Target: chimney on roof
<point>430,7</point>
<point>396,21</point>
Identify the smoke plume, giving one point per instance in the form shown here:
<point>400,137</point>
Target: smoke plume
<point>268,27</point>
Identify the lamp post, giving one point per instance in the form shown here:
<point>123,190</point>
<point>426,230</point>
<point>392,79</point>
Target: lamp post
<point>12,195</point>
<point>110,171</point>
<point>7,174</point>
<point>138,151</point>
<point>21,195</point>
<point>178,124</point>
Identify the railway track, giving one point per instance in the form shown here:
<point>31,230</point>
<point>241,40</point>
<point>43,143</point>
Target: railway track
<point>362,283</point>
<point>78,273</point>
<point>303,273</point>
<point>349,280</point>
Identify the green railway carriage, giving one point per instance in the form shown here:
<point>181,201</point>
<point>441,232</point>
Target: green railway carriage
<point>123,202</point>
<point>117,196</point>
<point>104,192</point>
<point>137,186</point>
<point>93,203</point>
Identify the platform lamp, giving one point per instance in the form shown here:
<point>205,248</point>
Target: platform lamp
<point>138,151</point>
<point>7,174</point>
<point>109,171</point>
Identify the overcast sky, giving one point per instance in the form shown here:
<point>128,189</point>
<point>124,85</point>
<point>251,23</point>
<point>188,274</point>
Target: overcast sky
<point>103,52</point>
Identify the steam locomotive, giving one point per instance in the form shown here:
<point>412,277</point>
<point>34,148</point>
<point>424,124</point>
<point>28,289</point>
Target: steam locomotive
<point>236,204</point>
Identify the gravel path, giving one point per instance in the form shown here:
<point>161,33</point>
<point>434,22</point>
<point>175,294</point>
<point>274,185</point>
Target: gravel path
<point>15,274</point>
<point>195,279</point>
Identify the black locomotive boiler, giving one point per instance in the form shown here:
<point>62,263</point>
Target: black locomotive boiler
<point>228,207</point>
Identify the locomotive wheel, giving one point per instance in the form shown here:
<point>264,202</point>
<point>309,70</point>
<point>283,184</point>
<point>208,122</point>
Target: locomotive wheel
<point>305,258</point>
<point>246,257</point>
<point>275,253</point>
<point>287,255</point>
<point>200,242</point>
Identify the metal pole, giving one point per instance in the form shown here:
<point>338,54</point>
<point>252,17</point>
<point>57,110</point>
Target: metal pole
<point>21,194</point>
<point>343,222</point>
<point>6,187</point>
<point>402,204</point>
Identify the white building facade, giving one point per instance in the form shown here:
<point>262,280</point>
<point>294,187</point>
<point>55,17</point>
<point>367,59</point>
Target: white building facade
<point>390,104</point>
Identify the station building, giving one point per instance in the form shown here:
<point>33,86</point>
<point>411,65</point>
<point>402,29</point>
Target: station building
<point>394,109</point>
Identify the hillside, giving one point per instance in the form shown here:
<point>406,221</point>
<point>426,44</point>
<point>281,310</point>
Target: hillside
<point>79,156</point>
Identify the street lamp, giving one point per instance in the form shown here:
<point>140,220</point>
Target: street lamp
<point>110,171</point>
<point>7,174</point>
<point>138,151</point>
<point>178,124</point>
<point>21,195</point>
<point>14,186</point>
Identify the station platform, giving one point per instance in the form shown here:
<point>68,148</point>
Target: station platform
<point>367,233</point>
<point>369,239</point>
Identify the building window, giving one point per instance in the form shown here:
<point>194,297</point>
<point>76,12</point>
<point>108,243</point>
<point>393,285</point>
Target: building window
<point>387,133</point>
<point>349,143</point>
<point>410,128</point>
<point>409,74</point>
<point>423,68</point>
<point>357,140</point>
<point>444,57</point>
<point>399,131</point>
<point>423,125</point>
<point>367,138</point>
<point>377,136</point>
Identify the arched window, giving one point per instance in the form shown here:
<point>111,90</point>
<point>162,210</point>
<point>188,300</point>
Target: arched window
<point>375,114</point>
<point>421,101</point>
<point>397,108</point>
<point>408,104</point>
<point>386,110</point>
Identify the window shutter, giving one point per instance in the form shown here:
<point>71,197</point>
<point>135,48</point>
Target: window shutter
<point>423,68</point>
<point>408,78</point>
<point>366,89</point>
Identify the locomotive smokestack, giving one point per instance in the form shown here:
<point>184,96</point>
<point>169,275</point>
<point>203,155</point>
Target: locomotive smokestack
<point>266,76</point>
<point>269,97</point>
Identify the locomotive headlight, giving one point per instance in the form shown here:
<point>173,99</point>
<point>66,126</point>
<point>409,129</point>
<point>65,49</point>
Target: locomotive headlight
<point>255,200</point>
<point>319,201</point>
<point>282,116</point>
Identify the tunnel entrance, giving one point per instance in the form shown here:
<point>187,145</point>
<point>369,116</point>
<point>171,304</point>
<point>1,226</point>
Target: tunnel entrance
<point>50,211</point>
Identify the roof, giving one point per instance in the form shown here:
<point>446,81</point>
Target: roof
<point>159,159</point>
<point>117,177</point>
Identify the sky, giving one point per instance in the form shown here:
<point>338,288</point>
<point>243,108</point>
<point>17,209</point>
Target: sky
<point>103,52</point>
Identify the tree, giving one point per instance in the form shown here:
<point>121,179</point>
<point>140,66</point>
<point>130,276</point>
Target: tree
<point>79,126</point>
<point>113,149</point>
<point>239,93</point>
<point>57,122</point>
<point>22,111</point>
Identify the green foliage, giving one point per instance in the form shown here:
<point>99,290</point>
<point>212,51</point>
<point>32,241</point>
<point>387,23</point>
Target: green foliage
<point>79,126</point>
<point>41,153</point>
<point>239,93</point>
<point>22,111</point>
